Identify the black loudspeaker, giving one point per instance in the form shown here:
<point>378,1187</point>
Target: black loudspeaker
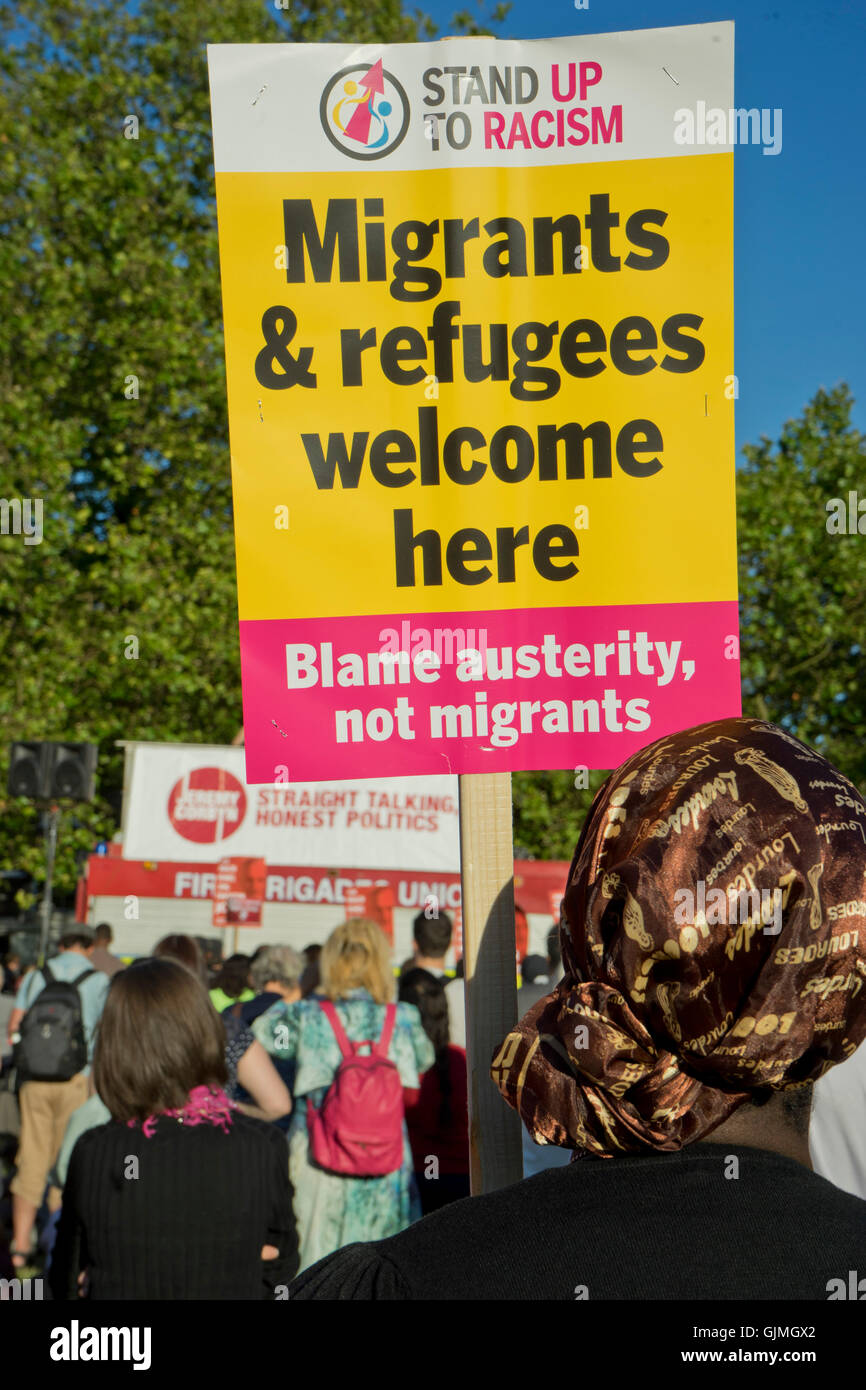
<point>51,771</point>
<point>29,768</point>
<point>72,771</point>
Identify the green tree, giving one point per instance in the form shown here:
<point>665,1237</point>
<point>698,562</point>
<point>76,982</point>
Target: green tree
<point>465,22</point>
<point>802,612</point>
<point>549,809</point>
<point>122,622</point>
<point>803,589</point>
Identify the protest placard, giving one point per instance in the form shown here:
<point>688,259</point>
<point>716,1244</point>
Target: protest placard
<point>239,892</point>
<point>479,339</point>
<point>478,307</point>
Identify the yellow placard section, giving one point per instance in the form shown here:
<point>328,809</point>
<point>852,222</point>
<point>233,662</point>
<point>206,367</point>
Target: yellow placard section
<point>649,505</point>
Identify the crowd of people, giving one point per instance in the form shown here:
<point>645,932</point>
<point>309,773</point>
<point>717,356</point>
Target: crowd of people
<point>297,1126</point>
<point>147,1061</point>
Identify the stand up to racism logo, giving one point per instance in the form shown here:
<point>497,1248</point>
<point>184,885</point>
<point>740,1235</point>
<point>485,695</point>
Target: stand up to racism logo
<point>364,111</point>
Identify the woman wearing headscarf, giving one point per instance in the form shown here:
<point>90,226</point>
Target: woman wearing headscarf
<point>714,949</point>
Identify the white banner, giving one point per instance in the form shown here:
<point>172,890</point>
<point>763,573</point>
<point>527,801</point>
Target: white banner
<point>186,802</point>
<point>464,102</point>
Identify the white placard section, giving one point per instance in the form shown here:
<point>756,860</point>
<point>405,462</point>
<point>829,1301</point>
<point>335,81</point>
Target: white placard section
<point>468,102</point>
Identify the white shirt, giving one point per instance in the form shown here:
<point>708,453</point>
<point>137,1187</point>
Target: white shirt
<point>837,1130</point>
<point>455,993</point>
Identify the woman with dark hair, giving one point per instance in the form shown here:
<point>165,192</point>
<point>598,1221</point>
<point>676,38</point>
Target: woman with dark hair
<point>185,949</point>
<point>232,984</point>
<point>180,1195</point>
<point>252,1076</point>
<point>437,1115</point>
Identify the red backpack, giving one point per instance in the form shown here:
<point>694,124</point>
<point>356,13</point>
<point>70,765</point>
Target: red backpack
<point>358,1132</point>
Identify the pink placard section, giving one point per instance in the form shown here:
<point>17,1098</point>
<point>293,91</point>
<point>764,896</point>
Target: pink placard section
<point>391,696</point>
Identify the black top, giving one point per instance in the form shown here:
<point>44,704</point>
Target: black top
<point>252,1008</point>
<point>190,1225</point>
<point>660,1226</point>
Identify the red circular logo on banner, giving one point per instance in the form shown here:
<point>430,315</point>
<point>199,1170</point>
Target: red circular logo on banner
<point>207,805</point>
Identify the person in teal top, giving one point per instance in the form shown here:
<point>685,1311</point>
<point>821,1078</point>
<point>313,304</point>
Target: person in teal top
<point>331,1210</point>
<point>232,984</point>
<point>93,1112</point>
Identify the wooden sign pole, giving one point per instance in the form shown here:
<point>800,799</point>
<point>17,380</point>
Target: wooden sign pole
<point>487,876</point>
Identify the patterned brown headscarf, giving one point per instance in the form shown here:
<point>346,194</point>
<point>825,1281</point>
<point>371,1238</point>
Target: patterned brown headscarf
<point>679,1002</point>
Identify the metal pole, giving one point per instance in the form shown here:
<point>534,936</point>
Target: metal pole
<point>53,817</point>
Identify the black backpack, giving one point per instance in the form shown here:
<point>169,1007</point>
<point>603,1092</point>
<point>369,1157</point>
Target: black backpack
<point>52,1045</point>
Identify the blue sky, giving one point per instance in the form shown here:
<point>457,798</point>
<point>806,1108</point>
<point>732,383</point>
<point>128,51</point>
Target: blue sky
<point>800,216</point>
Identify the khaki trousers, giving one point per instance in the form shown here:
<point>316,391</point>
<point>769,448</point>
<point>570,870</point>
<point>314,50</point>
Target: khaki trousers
<point>45,1110</point>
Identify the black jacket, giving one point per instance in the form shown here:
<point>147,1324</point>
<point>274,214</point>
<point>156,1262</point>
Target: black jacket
<point>182,1215</point>
<point>689,1225</point>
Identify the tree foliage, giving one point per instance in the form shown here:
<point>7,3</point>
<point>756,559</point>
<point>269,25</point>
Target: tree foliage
<point>803,588</point>
<point>109,286</point>
<point>108,273</point>
<point>465,22</point>
<point>802,611</point>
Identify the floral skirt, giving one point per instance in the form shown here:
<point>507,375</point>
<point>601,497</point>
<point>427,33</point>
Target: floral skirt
<point>333,1211</point>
